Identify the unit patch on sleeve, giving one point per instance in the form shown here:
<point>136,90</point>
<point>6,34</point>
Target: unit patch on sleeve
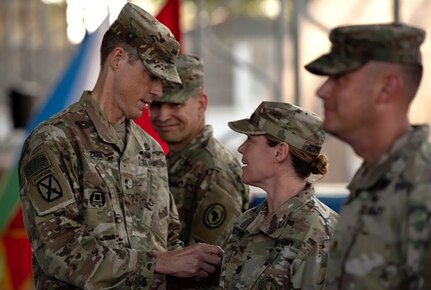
<point>46,186</point>
<point>215,215</point>
<point>49,188</point>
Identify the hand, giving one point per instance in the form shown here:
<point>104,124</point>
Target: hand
<point>197,260</point>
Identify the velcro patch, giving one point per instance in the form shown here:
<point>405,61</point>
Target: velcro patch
<point>47,186</point>
<point>97,199</point>
<point>215,215</point>
<point>38,168</point>
<point>268,283</point>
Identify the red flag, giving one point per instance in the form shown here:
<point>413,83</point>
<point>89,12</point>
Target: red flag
<point>169,15</point>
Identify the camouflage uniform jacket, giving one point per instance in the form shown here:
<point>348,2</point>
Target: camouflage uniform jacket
<point>204,179</point>
<point>95,209</point>
<point>286,249</point>
<point>384,237</point>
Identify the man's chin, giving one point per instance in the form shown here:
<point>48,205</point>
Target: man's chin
<point>333,131</point>
<point>328,126</point>
<point>168,138</point>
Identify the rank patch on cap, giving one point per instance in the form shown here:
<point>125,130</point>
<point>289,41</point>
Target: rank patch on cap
<point>215,215</point>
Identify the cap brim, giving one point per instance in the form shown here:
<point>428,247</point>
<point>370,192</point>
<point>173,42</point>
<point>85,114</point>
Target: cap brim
<point>245,127</point>
<point>165,71</point>
<point>178,96</point>
<point>331,64</point>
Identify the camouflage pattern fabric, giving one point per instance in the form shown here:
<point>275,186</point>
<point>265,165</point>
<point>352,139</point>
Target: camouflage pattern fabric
<point>353,46</point>
<point>155,43</point>
<point>191,71</point>
<point>286,249</point>
<point>95,208</point>
<point>292,124</point>
<point>205,180</point>
<point>383,238</point>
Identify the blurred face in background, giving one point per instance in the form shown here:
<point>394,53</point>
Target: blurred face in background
<point>348,101</point>
<point>179,124</point>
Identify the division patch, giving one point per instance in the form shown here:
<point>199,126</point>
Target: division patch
<point>215,215</point>
<point>49,188</point>
<point>268,283</point>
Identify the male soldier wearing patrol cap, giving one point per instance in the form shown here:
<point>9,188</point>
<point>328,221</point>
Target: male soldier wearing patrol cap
<point>94,186</point>
<point>373,73</point>
<point>204,176</point>
<point>282,243</point>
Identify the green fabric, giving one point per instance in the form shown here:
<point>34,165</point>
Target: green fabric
<point>9,197</point>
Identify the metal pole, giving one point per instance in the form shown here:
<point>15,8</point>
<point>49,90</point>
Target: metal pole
<point>279,53</point>
<point>396,10</point>
<point>199,28</point>
<point>296,50</point>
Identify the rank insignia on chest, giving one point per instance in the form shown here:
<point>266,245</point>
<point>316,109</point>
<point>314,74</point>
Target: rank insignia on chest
<point>96,154</point>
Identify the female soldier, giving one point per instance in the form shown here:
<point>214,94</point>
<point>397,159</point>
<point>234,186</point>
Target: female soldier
<point>282,243</point>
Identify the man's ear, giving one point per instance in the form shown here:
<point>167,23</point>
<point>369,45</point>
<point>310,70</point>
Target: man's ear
<point>391,88</point>
<point>116,56</point>
<point>203,102</point>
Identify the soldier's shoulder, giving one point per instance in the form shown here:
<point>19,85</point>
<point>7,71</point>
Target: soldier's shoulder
<point>222,156</point>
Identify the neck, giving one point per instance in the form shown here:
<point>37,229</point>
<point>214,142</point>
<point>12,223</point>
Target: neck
<point>179,146</point>
<point>376,142</point>
<point>281,189</point>
<point>103,95</point>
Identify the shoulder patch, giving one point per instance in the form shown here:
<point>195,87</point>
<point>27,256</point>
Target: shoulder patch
<point>37,168</point>
<point>46,186</point>
<point>49,188</point>
<point>268,283</point>
<point>215,215</point>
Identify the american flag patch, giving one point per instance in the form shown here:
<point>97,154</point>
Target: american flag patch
<point>37,164</point>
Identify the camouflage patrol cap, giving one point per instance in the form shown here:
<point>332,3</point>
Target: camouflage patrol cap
<point>155,43</point>
<point>191,71</point>
<point>289,123</point>
<point>353,46</point>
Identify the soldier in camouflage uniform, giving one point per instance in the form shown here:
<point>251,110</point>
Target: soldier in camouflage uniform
<point>284,242</point>
<point>383,238</point>
<point>204,176</point>
<point>94,186</point>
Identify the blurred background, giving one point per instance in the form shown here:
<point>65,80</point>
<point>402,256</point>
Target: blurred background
<point>253,50</point>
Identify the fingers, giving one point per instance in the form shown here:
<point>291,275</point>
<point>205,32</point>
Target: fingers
<point>202,274</point>
<point>209,258</point>
<point>197,260</point>
<point>209,249</point>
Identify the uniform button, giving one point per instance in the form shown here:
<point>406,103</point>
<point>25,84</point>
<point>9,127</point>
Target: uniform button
<point>118,219</point>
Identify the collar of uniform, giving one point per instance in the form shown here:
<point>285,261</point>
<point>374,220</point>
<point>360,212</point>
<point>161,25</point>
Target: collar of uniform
<point>391,163</point>
<point>199,142</point>
<point>103,128</point>
<point>275,223</point>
